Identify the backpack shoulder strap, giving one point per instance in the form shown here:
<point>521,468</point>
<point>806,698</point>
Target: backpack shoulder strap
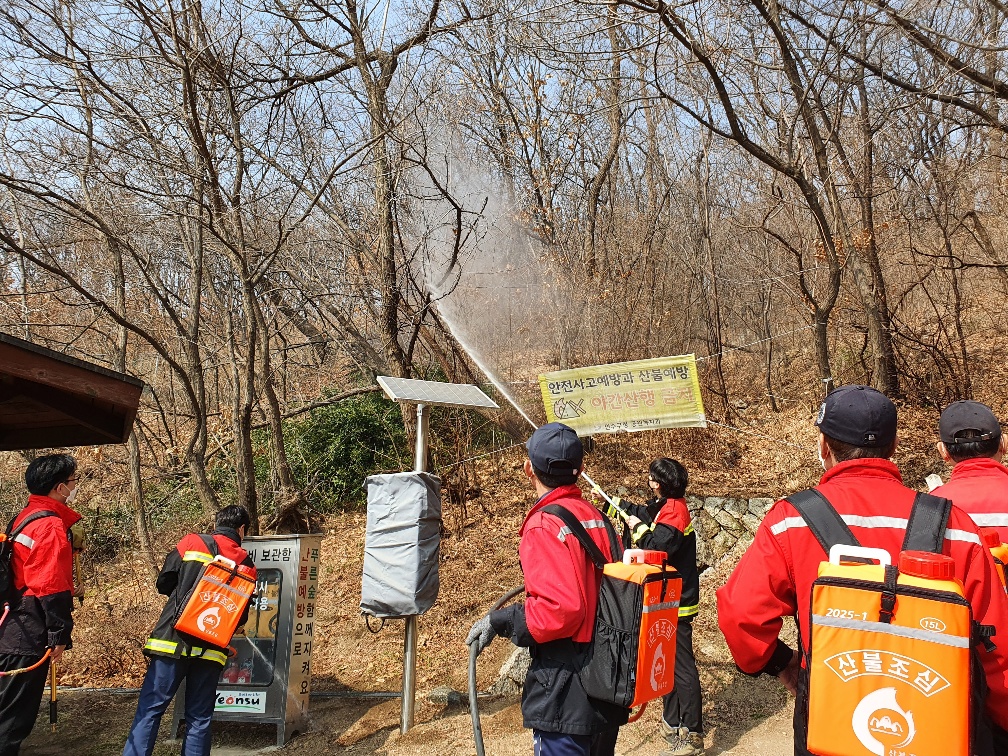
<point>823,520</point>
<point>575,528</point>
<point>615,544</point>
<point>211,543</point>
<point>926,527</point>
<point>12,534</point>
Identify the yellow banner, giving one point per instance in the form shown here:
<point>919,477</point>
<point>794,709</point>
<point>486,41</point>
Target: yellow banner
<point>627,396</point>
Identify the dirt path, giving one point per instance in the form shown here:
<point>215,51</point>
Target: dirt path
<point>95,725</point>
<point>742,715</point>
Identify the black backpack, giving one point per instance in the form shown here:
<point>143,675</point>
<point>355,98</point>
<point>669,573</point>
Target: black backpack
<point>8,593</point>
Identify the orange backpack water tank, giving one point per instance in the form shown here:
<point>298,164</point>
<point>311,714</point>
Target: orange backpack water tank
<point>216,602</point>
<point>632,657</point>
<point>889,667</point>
<point>998,550</point>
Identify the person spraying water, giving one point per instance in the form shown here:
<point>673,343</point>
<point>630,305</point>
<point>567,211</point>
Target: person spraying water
<point>558,615</point>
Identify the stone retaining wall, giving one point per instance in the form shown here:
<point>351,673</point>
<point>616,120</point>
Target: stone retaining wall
<point>720,523</point>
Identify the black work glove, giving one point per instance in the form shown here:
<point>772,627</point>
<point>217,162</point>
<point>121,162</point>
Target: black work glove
<point>509,622</point>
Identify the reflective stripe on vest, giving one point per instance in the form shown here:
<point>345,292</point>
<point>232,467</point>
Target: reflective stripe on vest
<point>171,647</point>
<point>689,611</point>
<point>197,556</point>
<point>586,524</point>
<point>640,532</point>
<point>861,521</point>
<point>24,540</point>
<point>161,646</point>
<point>990,519</point>
<point>209,654</point>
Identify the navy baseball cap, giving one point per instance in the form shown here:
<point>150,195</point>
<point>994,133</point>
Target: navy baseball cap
<point>555,449</point>
<point>963,416</point>
<point>859,416</point>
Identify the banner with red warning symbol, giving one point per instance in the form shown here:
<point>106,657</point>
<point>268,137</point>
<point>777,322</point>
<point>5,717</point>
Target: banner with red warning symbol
<point>626,396</point>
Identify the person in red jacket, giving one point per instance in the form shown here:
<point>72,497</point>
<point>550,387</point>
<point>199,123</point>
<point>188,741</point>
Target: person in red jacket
<point>173,656</point>
<point>971,440</point>
<point>39,618</point>
<point>557,620</point>
<point>664,524</point>
<point>774,577</point>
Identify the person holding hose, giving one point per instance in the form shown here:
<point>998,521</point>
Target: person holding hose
<point>664,524</point>
<point>557,620</point>
<point>37,625</point>
<point>773,580</point>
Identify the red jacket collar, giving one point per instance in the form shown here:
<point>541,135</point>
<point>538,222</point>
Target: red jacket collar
<point>977,466</point>
<point>36,503</point>
<point>563,492</point>
<point>874,468</point>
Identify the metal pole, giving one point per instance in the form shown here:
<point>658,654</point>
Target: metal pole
<point>410,637</point>
<point>420,460</point>
<point>409,675</point>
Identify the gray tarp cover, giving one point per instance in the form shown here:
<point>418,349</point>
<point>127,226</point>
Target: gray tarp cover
<point>401,544</point>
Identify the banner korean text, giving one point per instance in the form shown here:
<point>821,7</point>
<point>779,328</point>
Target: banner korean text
<point>626,396</point>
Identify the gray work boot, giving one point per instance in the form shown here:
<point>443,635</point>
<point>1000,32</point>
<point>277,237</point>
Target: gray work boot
<point>682,742</point>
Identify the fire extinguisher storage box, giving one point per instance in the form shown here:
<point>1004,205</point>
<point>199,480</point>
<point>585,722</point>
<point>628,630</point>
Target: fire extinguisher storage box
<point>268,680</point>
<point>402,544</point>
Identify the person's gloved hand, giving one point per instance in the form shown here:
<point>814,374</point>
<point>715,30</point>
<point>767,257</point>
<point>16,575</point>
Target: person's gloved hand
<point>481,633</point>
<point>613,508</point>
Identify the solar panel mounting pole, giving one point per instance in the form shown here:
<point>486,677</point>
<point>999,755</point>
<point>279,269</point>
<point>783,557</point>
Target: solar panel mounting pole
<point>424,394</point>
<point>410,637</point>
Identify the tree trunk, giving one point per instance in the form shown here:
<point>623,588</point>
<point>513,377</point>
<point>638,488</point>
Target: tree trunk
<point>615,118</point>
<point>289,514</point>
<point>133,448</point>
<point>243,402</point>
<point>822,352</point>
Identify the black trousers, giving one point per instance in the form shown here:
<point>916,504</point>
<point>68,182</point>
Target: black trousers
<point>684,705</point>
<point>20,698</point>
<point>604,744</point>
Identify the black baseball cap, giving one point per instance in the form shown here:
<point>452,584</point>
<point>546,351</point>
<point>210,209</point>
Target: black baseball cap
<point>555,449</point>
<point>859,416</point>
<point>963,416</point>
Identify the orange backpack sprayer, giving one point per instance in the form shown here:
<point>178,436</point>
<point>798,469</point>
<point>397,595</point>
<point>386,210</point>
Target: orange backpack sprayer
<point>889,667</point>
<point>216,602</point>
<point>633,649</point>
<point>632,656</point>
<point>998,550</point>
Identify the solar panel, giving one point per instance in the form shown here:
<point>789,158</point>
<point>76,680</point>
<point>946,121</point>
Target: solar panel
<point>435,392</point>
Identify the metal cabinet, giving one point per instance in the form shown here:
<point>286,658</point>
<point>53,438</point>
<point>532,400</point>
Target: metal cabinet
<point>268,679</point>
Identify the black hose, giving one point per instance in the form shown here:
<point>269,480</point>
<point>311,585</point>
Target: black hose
<point>473,692</point>
<point>473,704</point>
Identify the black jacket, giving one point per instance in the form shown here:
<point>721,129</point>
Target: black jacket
<point>180,573</point>
<point>670,529</point>
<point>553,699</point>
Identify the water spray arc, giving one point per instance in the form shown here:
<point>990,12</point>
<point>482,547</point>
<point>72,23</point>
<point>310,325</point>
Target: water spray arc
<point>499,385</point>
<point>473,650</point>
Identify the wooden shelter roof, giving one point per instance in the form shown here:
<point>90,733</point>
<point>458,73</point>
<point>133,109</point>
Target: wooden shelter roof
<point>48,399</point>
